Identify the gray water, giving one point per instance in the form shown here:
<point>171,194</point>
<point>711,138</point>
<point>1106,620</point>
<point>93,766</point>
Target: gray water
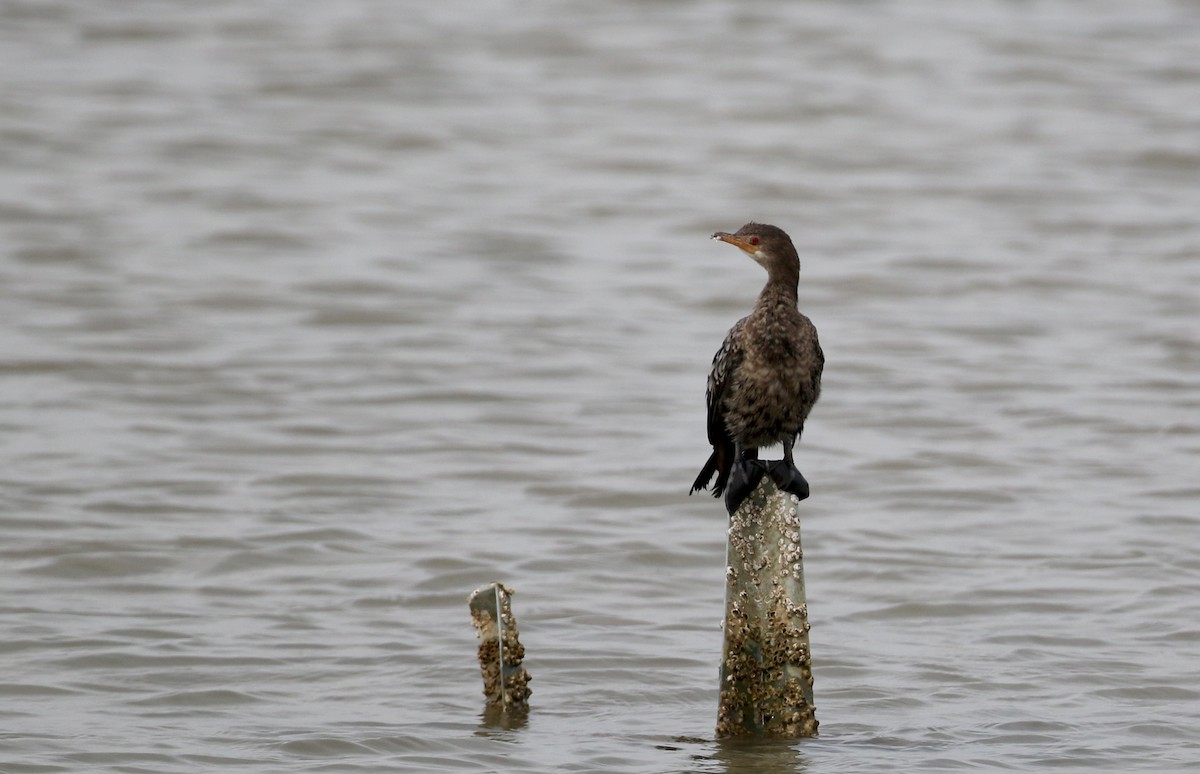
<point>319,315</point>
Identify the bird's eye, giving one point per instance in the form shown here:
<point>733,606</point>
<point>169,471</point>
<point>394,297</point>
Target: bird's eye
<point>754,240</point>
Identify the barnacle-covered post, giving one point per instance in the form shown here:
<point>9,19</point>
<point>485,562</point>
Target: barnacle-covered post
<point>505,681</point>
<point>766,670</point>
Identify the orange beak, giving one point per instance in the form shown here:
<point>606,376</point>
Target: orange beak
<point>736,241</point>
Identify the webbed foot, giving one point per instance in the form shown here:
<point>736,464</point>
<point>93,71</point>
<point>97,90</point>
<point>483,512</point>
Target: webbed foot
<point>788,478</point>
<point>744,477</point>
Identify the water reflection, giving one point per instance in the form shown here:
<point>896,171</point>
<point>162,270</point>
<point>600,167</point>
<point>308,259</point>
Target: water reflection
<point>758,756</point>
<point>497,718</point>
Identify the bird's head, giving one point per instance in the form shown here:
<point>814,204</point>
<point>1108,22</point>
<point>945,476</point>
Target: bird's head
<point>769,246</point>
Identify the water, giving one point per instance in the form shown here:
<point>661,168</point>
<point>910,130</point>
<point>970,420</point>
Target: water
<point>317,316</point>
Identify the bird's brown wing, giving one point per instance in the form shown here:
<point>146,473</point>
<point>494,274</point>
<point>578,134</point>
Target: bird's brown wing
<point>819,369</point>
<point>725,364</point>
<point>810,388</point>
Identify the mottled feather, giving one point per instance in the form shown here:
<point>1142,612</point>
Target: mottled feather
<point>766,376</point>
<point>725,362</point>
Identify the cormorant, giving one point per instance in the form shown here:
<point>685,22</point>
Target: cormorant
<point>765,378</point>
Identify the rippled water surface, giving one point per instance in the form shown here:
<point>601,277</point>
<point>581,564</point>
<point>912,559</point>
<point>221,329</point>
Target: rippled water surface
<point>319,315</point>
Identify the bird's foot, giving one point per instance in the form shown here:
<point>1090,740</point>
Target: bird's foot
<point>788,478</point>
<point>746,475</point>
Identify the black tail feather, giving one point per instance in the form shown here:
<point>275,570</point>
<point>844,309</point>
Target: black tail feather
<point>719,462</point>
<point>706,473</point>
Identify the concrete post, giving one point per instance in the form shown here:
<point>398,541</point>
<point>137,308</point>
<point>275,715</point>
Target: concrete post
<point>766,668</point>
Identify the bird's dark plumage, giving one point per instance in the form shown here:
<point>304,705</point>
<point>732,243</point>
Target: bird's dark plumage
<point>766,376</point>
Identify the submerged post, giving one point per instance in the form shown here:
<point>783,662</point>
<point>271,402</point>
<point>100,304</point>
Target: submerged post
<point>505,681</point>
<point>766,669</point>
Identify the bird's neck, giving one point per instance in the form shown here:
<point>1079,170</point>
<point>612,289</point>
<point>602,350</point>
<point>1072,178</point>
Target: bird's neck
<point>780,289</point>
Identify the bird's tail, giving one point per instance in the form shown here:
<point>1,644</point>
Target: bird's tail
<point>719,462</point>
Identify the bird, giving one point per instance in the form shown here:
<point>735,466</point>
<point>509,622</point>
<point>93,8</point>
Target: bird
<point>765,377</point>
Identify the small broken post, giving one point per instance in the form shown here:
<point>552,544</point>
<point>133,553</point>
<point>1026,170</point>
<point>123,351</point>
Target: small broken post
<point>766,668</point>
<point>505,681</point>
